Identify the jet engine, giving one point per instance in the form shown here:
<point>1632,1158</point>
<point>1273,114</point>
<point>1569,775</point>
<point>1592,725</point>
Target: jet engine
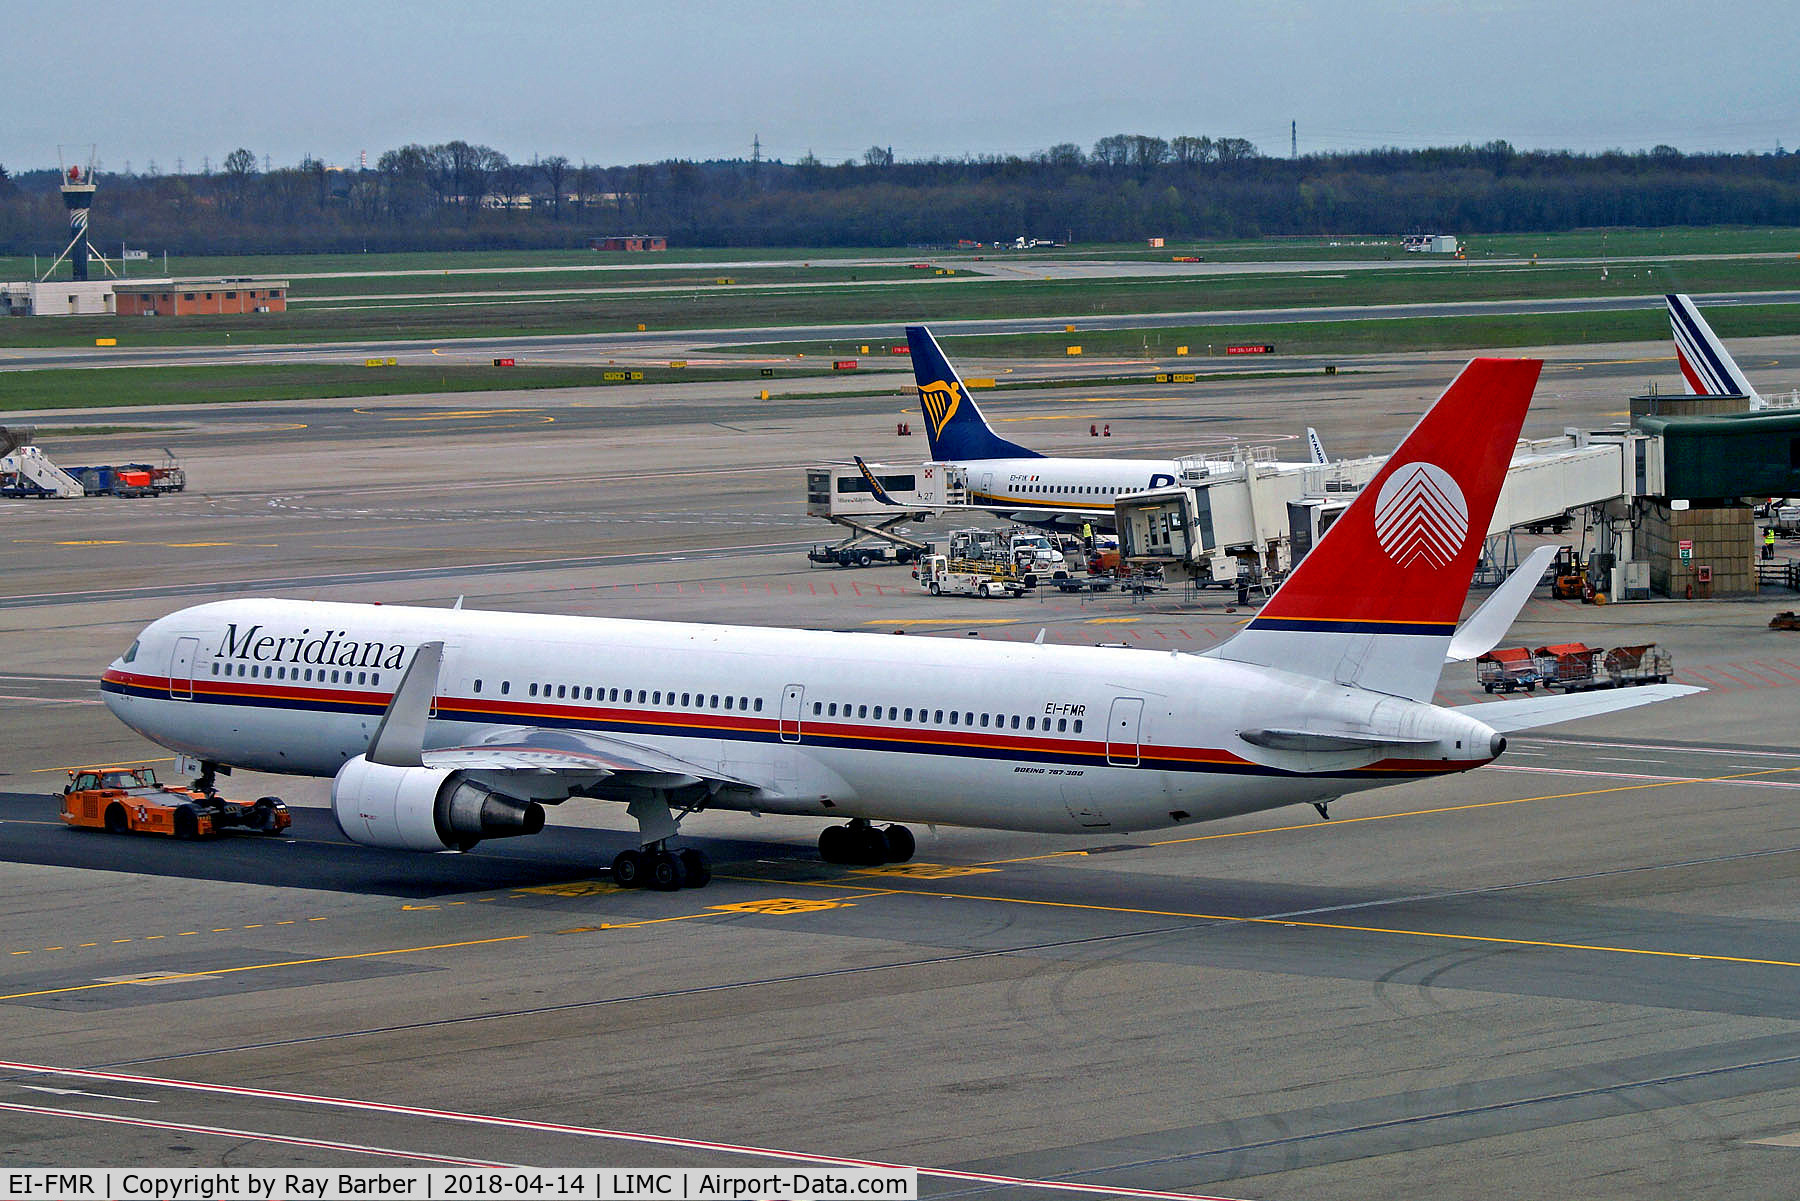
<point>423,808</point>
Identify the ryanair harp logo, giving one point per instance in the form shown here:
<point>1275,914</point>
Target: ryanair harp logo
<point>1421,516</point>
<point>940,398</point>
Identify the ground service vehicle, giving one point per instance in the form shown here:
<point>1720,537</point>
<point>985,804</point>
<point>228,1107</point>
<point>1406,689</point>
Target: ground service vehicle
<point>126,800</point>
<point>1507,668</point>
<point>940,577</point>
<point>1650,664</point>
<point>868,554</point>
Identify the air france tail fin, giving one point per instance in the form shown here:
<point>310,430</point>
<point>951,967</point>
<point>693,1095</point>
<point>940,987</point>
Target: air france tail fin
<point>1376,602</point>
<point>1707,365</point>
<point>954,425</point>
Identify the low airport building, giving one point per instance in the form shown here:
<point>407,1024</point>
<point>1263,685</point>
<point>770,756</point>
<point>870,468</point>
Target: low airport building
<point>199,297</point>
<point>142,297</point>
<point>629,242</point>
<point>56,298</point>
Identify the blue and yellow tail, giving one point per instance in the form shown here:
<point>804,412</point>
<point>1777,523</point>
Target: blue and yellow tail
<point>953,423</point>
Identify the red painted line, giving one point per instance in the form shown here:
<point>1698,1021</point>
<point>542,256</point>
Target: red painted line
<point>254,1135</point>
<point>1750,669</point>
<point>597,1132</point>
<point>1733,676</point>
<point>857,588</point>
<point>834,591</point>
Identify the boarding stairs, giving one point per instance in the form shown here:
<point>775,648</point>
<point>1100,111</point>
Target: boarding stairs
<point>32,467</point>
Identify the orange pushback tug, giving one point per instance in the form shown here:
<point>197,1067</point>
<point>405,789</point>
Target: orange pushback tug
<point>128,800</point>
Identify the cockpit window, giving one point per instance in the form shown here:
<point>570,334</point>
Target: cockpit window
<point>130,654</point>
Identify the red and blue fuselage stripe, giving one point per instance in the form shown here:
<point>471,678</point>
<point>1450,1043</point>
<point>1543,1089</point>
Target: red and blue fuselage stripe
<point>818,732</point>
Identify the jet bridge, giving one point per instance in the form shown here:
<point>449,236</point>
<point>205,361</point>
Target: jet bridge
<point>1257,519</point>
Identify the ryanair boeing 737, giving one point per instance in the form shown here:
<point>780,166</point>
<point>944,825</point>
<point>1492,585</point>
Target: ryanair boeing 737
<point>1022,484</point>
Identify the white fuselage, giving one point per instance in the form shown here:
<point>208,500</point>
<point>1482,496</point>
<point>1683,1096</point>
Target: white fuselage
<point>1074,486</point>
<point>967,732</point>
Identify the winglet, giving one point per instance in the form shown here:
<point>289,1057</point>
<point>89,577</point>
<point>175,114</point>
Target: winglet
<point>400,738</point>
<point>875,487</point>
<point>1315,449</point>
<point>1488,624</point>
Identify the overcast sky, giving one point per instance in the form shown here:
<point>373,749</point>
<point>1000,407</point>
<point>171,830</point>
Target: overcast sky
<point>186,80</point>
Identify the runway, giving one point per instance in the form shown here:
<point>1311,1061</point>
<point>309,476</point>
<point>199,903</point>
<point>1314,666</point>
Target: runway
<point>1572,973</point>
<point>606,346</point>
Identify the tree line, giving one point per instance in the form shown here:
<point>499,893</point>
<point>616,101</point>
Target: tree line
<point>1126,187</point>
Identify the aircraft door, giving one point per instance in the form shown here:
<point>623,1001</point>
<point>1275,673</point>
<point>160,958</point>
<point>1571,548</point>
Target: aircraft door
<point>987,484</point>
<point>793,698</point>
<point>1122,731</point>
<point>181,668</point>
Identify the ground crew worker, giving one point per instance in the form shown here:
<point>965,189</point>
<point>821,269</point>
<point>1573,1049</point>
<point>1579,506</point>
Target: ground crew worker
<point>1087,534</point>
<point>1769,543</point>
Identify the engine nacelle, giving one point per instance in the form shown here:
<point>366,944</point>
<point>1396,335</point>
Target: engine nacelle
<point>423,808</point>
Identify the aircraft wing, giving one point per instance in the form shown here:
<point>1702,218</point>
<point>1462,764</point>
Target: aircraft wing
<point>1532,712</point>
<point>580,758</point>
<point>1023,514</point>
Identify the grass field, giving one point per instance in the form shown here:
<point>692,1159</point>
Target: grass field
<point>1581,243</point>
<point>933,299</point>
<point>1351,337</point>
<point>212,385</point>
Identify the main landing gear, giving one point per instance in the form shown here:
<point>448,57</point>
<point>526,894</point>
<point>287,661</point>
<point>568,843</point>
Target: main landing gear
<point>860,843</point>
<point>654,865</point>
<point>657,867</point>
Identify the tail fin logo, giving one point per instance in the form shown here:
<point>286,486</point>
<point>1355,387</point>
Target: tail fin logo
<point>1421,516</point>
<point>940,398</point>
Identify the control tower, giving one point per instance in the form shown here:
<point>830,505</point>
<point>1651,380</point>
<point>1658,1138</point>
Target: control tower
<point>78,198</point>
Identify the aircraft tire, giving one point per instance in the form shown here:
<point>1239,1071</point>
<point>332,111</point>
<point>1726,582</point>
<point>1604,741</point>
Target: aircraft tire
<point>628,869</point>
<point>832,844</point>
<point>667,873</point>
<point>870,847</point>
<point>900,843</point>
<point>698,868</point>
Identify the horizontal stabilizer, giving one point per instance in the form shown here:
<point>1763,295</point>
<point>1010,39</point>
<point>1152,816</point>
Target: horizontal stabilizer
<point>1327,740</point>
<point>1488,624</point>
<point>1532,712</point>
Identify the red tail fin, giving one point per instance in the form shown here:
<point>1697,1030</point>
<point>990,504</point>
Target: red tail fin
<point>1397,564</point>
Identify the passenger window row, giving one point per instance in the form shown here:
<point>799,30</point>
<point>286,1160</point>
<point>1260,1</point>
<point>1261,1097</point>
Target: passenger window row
<point>939,717</point>
<point>310,675</point>
<point>642,696</point>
